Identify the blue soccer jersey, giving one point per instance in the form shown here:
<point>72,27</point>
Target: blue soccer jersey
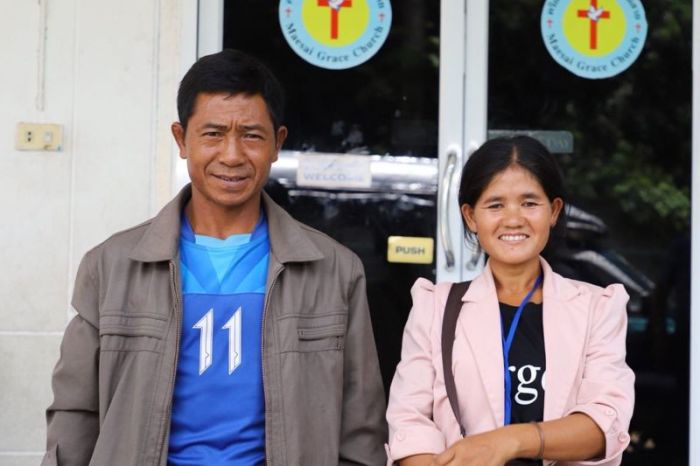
<point>218,413</point>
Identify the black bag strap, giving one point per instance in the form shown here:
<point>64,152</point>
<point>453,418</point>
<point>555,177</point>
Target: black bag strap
<point>449,326</point>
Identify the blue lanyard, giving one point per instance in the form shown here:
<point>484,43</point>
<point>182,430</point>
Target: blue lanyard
<point>507,342</point>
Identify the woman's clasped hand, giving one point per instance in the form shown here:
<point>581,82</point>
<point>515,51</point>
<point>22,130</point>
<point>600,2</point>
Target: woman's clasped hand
<point>493,448</point>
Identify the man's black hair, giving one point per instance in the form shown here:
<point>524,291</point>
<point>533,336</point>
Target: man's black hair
<point>232,72</point>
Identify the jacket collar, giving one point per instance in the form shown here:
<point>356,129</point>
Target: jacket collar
<point>564,318</point>
<point>161,240</point>
<point>289,242</point>
<point>553,286</point>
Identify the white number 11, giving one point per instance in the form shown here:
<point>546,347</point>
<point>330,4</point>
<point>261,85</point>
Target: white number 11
<point>206,340</point>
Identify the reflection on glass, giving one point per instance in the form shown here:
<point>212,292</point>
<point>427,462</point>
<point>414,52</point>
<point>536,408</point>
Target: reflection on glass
<point>629,175</point>
<point>385,107</point>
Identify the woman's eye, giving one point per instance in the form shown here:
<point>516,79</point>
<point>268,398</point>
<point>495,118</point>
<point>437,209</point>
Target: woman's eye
<point>493,206</point>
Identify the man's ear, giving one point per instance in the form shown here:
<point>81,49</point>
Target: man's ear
<point>279,139</point>
<point>179,135</point>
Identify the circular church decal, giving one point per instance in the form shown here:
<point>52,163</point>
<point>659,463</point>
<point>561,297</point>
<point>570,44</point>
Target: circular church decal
<point>335,34</point>
<point>594,39</point>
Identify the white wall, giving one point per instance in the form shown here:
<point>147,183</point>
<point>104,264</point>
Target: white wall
<point>111,70</point>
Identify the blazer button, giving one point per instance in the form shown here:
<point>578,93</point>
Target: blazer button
<point>610,412</point>
<point>623,437</point>
<point>400,436</point>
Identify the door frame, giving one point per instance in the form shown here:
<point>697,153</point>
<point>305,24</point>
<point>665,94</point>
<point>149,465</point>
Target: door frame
<point>462,124</point>
<point>694,453</point>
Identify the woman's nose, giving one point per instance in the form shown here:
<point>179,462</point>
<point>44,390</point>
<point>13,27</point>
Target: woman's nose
<point>513,216</point>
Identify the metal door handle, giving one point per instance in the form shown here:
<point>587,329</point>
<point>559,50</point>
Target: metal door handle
<point>476,254</point>
<point>446,188</point>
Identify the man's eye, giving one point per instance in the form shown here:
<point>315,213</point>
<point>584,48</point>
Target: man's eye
<point>253,136</point>
<point>213,134</point>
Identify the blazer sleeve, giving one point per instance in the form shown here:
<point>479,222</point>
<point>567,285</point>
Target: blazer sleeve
<point>606,392</point>
<point>363,428</point>
<point>72,418</point>
<point>410,411</point>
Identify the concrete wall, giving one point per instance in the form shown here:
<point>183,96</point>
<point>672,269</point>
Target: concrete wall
<point>109,72</point>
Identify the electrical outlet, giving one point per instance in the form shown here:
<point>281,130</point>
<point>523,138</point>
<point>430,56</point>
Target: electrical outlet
<point>39,137</point>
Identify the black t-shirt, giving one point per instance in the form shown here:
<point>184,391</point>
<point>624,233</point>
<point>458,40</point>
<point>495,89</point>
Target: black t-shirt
<point>527,366</point>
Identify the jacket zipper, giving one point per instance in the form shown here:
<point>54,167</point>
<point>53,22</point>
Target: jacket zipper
<point>262,352</point>
<point>178,324</point>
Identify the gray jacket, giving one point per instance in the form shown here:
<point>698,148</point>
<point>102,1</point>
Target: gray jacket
<point>113,384</point>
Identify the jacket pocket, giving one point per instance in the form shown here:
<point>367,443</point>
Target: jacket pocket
<point>324,332</point>
<point>328,337</point>
<point>131,332</point>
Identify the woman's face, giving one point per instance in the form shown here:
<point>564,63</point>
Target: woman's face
<point>512,217</point>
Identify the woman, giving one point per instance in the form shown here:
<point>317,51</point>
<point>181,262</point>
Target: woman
<point>567,394</point>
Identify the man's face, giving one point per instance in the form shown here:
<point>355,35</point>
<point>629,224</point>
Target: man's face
<point>229,145</point>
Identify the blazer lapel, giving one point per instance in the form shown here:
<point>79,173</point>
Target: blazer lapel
<point>565,319</point>
<point>480,324</point>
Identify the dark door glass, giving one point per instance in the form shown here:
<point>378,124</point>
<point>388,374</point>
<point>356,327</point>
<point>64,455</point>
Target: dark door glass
<point>388,107</point>
<point>628,176</point>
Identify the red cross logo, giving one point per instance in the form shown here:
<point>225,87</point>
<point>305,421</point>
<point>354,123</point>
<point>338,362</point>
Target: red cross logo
<point>335,6</point>
<point>594,14</point>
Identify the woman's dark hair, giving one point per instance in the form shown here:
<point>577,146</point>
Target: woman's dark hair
<point>495,156</point>
<point>232,72</point>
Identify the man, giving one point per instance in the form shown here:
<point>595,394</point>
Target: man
<point>222,331</point>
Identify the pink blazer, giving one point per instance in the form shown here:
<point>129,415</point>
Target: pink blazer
<point>584,331</point>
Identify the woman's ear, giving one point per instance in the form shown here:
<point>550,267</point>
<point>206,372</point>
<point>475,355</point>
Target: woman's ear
<point>557,206</point>
<point>468,216</point>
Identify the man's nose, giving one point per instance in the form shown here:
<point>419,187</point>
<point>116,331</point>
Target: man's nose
<point>232,151</point>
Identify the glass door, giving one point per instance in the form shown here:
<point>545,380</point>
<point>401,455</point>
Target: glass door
<point>375,144</point>
<point>624,143</point>
<point>448,75</point>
